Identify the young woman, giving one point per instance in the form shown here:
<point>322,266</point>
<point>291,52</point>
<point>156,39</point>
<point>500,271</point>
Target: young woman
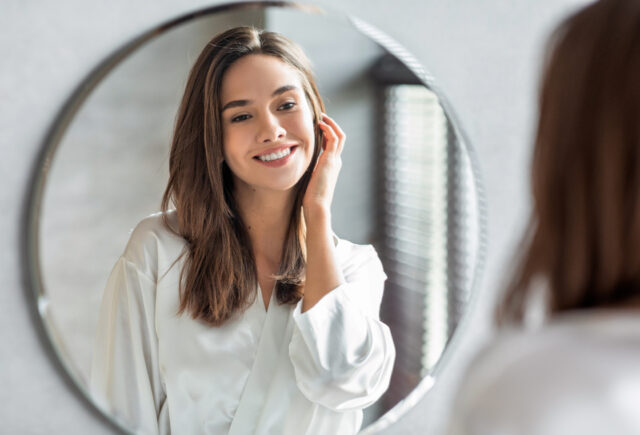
<point>240,311</point>
<point>578,372</point>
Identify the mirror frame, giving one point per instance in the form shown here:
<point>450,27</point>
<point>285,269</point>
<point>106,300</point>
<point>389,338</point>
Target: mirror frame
<point>32,278</point>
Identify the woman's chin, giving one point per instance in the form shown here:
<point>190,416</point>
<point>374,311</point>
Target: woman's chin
<point>280,184</point>
<point>276,186</point>
<point>282,188</point>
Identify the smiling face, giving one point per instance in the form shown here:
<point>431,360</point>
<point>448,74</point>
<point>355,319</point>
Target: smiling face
<point>267,123</point>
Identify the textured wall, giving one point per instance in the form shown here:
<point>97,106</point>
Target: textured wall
<point>485,56</point>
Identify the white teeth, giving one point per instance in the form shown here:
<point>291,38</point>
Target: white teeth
<point>275,156</point>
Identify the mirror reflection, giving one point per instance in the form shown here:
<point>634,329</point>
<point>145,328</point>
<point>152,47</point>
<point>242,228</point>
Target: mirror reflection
<point>406,187</point>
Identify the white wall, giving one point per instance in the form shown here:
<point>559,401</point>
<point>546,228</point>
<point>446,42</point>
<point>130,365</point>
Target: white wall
<point>485,56</point>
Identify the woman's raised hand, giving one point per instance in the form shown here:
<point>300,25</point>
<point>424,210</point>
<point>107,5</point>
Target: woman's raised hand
<point>323,271</point>
<point>322,184</point>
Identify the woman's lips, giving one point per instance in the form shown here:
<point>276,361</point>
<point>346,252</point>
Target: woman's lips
<point>274,150</point>
<point>277,162</point>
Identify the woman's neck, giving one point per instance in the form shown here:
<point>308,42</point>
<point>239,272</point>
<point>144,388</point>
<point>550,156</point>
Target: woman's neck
<point>266,215</point>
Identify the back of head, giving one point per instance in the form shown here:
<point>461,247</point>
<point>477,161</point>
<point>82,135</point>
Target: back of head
<point>584,234</point>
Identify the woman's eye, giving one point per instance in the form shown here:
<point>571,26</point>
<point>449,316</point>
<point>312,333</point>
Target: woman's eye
<point>239,118</point>
<point>288,106</point>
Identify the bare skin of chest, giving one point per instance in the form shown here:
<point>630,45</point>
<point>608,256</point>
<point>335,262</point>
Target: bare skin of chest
<point>265,270</point>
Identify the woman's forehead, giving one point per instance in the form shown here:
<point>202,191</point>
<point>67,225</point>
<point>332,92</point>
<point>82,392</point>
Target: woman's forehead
<point>258,76</point>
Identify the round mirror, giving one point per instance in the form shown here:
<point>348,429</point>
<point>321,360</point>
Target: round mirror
<point>407,186</point>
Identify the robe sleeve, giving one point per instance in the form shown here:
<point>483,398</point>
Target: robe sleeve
<point>341,352</point>
<point>125,379</point>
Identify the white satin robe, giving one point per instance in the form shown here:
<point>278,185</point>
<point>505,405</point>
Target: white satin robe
<point>577,374</point>
<point>275,371</point>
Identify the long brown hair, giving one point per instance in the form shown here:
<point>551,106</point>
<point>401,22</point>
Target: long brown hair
<point>219,275</point>
<point>584,234</point>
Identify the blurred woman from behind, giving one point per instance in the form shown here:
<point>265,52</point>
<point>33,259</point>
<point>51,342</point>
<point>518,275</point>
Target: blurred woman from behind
<point>579,371</point>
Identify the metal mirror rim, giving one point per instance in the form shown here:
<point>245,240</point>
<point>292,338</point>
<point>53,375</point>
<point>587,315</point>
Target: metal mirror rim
<point>31,271</point>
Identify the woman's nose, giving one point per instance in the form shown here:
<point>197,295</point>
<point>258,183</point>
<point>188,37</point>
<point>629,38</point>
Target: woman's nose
<point>270,129</point>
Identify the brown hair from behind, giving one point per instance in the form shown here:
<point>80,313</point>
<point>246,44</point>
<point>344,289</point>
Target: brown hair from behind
<point>219,276</point>
<point>583,239</point>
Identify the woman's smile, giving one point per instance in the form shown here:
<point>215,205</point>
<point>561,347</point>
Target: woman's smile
<point>276,157</point>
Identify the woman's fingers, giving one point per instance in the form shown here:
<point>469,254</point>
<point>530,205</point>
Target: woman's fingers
<point>333,133</point>
<point>330,137</point>
<point>325,174</point>
<point>326,118</point>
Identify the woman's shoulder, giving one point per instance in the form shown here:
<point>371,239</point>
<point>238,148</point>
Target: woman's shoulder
<point>586,329</point>
<point>353,256</point>
<point>153,241</point>
<point>568,339</point>
<point>156,228</point>
<point>578,358</point>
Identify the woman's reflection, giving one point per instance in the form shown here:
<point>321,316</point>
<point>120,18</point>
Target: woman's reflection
<point>240,311</point>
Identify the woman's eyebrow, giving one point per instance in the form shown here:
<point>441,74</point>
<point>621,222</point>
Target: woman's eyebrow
<point>241,103</point>
<point>283,89</point>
